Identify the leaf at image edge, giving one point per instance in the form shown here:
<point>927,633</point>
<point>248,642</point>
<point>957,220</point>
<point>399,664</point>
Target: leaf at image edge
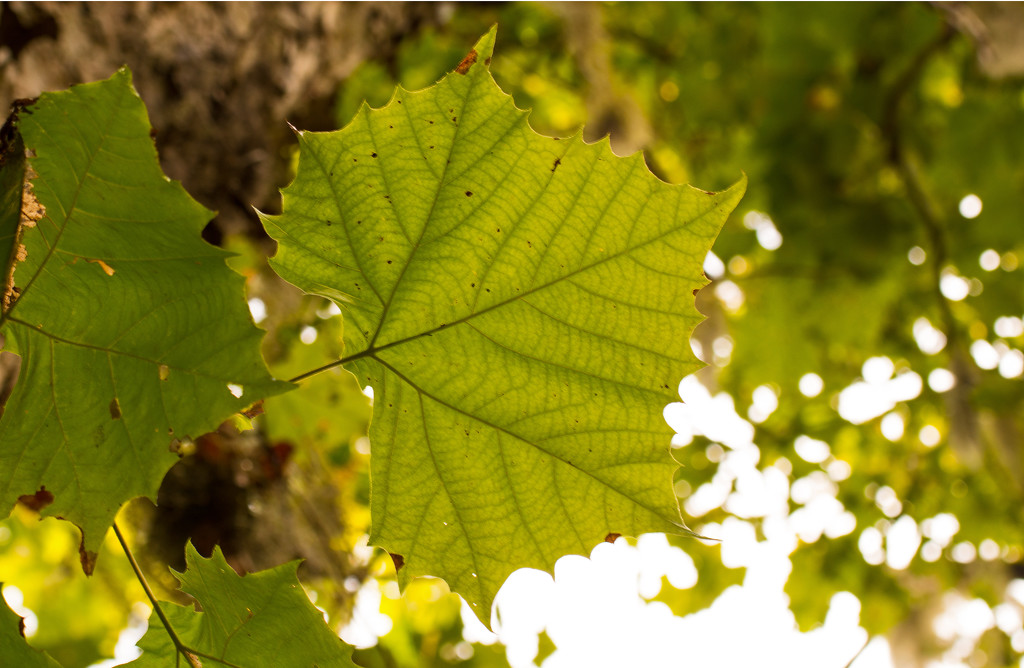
<point>130,327</point>
<point>261,620</point>
<point>14,647</point>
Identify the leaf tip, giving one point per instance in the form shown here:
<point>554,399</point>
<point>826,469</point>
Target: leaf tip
<point>739,188</point>
<point>484,47</point>
<point>87,557</point>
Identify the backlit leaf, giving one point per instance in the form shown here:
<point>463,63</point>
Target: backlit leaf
<point>521,306</point>
<point>13,648</point>
<point>262,619</point>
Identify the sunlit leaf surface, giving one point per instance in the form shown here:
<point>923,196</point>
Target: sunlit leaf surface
<point>521,306</point>
<point>262,619</point>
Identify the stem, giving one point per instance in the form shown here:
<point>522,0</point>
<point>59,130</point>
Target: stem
<point>327,367</point>
<point>929,213</point>
<point>149,592</point>
<point>336,363</point>
<point>964,423</point>
<point>859,652</point>
<point>191,655</point>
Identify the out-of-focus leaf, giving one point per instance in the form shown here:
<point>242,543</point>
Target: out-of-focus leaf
<point>13,647</point>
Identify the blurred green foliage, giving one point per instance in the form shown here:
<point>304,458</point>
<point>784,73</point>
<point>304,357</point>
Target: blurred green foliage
<point>861,128</point>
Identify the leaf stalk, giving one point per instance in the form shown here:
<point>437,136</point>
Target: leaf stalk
<point>191,655</point>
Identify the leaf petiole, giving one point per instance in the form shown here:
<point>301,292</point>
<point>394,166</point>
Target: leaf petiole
<point>191,655</point>
<point>327,367</point>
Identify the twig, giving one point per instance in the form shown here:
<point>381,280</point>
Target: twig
<point>181,649</point>
<point>335,363</point>
<point>859,652</point>
<point>931,217</point>
<point>927,210</point>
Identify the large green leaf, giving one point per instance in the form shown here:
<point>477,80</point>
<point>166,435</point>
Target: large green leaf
<point>262,619</point>
<point>13,648</point>
<point>521,306</point>
<point>129,326</point>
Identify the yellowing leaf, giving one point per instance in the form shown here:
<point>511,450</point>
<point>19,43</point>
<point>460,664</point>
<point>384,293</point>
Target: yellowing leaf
<point>521,306</point>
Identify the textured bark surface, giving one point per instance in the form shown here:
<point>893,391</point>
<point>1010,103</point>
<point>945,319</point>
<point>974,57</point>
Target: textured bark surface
<point>220,79</point>
<point>997,29</point>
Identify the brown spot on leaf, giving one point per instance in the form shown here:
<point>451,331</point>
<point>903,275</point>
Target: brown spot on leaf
<point>115,409</point>
<point>87,558</point>
<point>254,410</point>
<point>107,269</point>
<point>558,161</point>
<point>31,213</point>
<point>399,561</point>
<point>612,537</point>
<point>467,62</point>
<point>37,501</point>
<point>469,193</point>
<point>31,210</point>
<point>21,104</point>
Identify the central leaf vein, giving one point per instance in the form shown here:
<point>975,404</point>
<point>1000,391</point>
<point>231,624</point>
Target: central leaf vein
<point>499,428</point>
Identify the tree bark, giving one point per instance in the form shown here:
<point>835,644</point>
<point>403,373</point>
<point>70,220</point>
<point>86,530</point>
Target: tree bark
<point>221,80</point>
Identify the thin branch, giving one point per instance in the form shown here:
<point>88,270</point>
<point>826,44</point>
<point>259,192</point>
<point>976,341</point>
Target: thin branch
<point>191,655</point>
<point>931,217</point>
<point>149,592</point>
<point>859,652</point>
<point>929,213</point>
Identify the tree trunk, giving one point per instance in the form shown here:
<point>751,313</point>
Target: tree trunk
<point>221,80</point>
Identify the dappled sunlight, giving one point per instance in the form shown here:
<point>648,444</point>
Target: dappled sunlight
<point>929,339</point>
<point>953,286</point>
<point>811,385</point>
<point>768,235</point>
<point>846,457</point>
<point>714,268</point>
<point>970,206</point>
<point>701,414</point>
<point>879,392</point>
<point>16,600</point>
